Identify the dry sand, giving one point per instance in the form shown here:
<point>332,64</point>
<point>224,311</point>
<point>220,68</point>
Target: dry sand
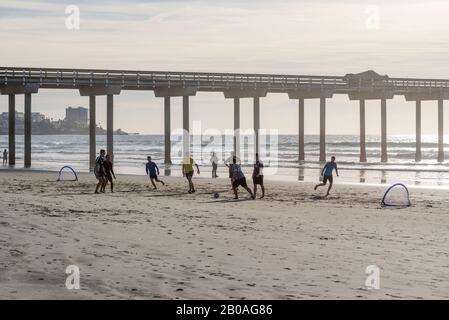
<point>139,243</point>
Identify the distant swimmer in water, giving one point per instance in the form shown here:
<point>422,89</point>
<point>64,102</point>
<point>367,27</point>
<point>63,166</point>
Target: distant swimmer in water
<point>326,173</point>
<point>153,171</point>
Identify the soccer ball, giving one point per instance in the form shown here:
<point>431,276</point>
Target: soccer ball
<point>216,195</point>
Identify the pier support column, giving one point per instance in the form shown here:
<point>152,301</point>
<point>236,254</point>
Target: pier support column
<point>440,132</point>
<point>383,138</point>
<point>27,130</point>
<point>92,133</point>
<point>167,131</point>
<point>362,132</point>
<point>256,124</point>
<point>322,129</point>
<point>110,125</point>
<point>237,127</point>
<point>301,153</point>
<point>12,129</point>
<point>185,126</point>
<point>418,155</point>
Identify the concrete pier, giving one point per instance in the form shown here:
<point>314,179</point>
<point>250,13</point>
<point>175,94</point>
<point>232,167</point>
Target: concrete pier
<point>362,132</point>
<point>237,127</point>
<point>440,131</point>
<point>301,153</point>
<point>92,133</point>
<point>12,129</point>
<point>418,155</point>
<point>322,129</point>
<point>27,130</point>
<point>367,85</point>
<point>383,134</point>
<point>110,125</point>
<point>186,127</point>
<point>167,131</point>
<point>256,122</point>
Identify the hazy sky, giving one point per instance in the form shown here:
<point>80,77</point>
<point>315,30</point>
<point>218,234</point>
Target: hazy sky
<point>321,37</point>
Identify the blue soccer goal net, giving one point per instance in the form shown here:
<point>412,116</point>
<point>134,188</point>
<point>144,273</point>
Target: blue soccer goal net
<point>67,174</point>
<point>396,195</point>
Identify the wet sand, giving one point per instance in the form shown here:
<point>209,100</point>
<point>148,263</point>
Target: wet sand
<point>143,244</point>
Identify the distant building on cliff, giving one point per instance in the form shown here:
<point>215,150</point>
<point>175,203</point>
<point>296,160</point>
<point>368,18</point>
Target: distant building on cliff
<point>76,115</point>
<point>76,122</point>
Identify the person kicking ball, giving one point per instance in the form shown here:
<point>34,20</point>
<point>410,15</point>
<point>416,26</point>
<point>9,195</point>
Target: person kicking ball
<point>238,179</point>
<point>326,173</point>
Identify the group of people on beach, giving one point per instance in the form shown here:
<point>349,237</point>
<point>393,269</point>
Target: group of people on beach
<point>104,173</point>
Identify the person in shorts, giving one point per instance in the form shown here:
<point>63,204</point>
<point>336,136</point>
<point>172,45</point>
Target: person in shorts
<point>214,162</point>
<point>99,170</point>
<point>108,174</point>
<point>238,179</point>
<point>258,176</point>
<point>187,171</point>
<point>5,157</point>
<point>326,173</point>
<point>153,171</point>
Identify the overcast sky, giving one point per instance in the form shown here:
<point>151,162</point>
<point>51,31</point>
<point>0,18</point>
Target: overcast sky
<point>321,37</point>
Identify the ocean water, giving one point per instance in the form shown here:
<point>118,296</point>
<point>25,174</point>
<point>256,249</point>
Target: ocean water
<point>280,154</point>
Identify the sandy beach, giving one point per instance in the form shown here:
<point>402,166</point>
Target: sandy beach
<point>166,244</point>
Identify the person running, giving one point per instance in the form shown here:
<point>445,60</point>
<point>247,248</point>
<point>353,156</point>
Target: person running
<point>238,179</point>
<point>326,173</point>
<point>99,170</point>
<point>258,176</point>
<point>214,161</point>
<point>153,171</point>
<point>108,174</point>
<point>187,171</point>
<point>5,157</point>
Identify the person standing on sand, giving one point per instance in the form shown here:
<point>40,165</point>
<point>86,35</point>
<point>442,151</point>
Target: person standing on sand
<point>326,173</point>
<point>5,157</point>
<point>99,170</point>
<point>187,171</point>
<point>258,176</point>
<point>214,161</point>
<point>153,171</point>
<point>238,179</point>
<point>108,173</point>
<point>229,162</point>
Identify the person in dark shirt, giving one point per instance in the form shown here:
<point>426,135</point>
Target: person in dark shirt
<point>153,171</point>
<point>99,170</point>
<point>326,173</point>
<point>258,176</point>
<point>108,174</point>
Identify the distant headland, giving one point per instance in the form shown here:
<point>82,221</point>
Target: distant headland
<point>75,123</point>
